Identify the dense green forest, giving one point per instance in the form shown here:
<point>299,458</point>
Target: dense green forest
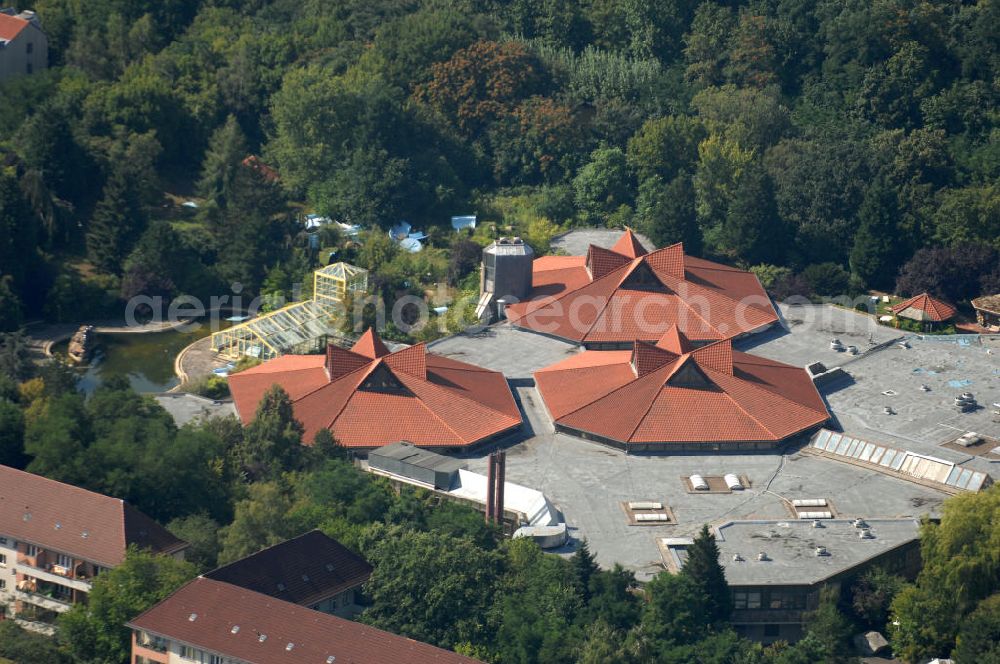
<point>441,575</point>
<point>833,145</point>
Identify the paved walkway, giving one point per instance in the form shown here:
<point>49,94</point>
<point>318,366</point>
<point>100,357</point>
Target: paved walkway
<point>196,361</point>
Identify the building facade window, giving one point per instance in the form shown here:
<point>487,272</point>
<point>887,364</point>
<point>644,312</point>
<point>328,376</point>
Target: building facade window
<point>30,48</point>
<point>3,560</point>
<point>30,68</point>
<point>32,550</point>
<point>3,584</point>
<point>64,561</point>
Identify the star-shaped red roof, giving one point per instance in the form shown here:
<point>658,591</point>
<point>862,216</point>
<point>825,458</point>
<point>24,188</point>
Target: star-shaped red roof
<point>625,293</point>
<point>677,392</point>
<point>368,396</point>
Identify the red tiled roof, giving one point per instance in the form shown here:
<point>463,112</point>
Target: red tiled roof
<point>252,627</point>
<point>374,397</point>
<point>673,392</point>
<point>304,570</point>
<point>932,308</point>
<point>623,294</point>
<point>74,521</point>
<point>11,27</point>
<point>370,345</point>
<point>628,245</point>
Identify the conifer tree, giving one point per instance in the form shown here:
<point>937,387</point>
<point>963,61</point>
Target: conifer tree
<point>703,568</point>
<point>584,568</point>
<point>117,223</point>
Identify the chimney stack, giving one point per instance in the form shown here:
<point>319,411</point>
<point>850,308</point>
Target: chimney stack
<point>495,478</point>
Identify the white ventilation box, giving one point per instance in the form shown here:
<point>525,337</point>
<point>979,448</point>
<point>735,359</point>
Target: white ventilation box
<point>645,505</point>
<point>809,502</point>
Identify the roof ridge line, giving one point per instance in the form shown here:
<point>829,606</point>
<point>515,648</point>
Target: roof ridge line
<point>368,369</point>
<point>608,394</point>
<point>679,361</point>
<point>432,412</point>
<point>328,381</point>
<point>751,416</point>
<point>464,398</point>
<point>548,302</point>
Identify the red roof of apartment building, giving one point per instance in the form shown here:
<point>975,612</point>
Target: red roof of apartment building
<point>304,570</point>
<point>925,307</point>
<point>368,396</point>
<point>626,293</point>
<point>11,26</point>
<point>254,628</point>
<point>675,392</point>
<point>74,521</point>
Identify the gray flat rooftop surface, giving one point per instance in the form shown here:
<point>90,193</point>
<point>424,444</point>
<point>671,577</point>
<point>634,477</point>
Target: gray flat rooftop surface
<point>588,481</point>
<point>417,457</point>
<point>810,328</point>
<point>184,407</point>
<point>791,548</point>
<point>576,242</point>
<point>516,353</point>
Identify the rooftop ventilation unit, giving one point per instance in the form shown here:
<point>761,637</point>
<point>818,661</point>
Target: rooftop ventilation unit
<point>762,557</point>
<point>645,505</point>
<point>193,617</point>
<point>651,517</point>
<point>819,514</point>
<point>866,533</point>
<point>733,482</point>
<point>235,629</point>
<point>289,646</point>
<point>821,551</point>
<point>698,482</point>
<point>925,388</point>
<point>888,411</point>
<point>809,502</point>
<point>737,558</point>
<point>969,439</point>
<point>859,523</point>
<point>817,524</point>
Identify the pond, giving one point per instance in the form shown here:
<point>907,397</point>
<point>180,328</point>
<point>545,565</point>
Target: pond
<point>147,360</point>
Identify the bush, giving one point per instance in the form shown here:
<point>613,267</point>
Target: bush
<point>211,387</point>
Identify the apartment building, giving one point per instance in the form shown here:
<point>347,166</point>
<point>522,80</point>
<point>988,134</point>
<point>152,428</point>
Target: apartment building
<point>211,622</point>
<point>311,570</point>
<point>24,47</point>
<point>56,538</point>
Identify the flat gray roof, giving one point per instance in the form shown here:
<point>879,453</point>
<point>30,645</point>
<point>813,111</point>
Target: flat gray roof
<point>791,545</point>
<point>185,407</point>
<point>587,481</point>
<point>576,242</point>
<point>415,456</point>
<point>515,352</point>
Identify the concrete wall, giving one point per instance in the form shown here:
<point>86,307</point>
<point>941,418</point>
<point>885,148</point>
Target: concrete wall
<point>15,58</point>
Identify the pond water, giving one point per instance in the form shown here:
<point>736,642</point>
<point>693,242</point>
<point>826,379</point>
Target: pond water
<point>147,360</point>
